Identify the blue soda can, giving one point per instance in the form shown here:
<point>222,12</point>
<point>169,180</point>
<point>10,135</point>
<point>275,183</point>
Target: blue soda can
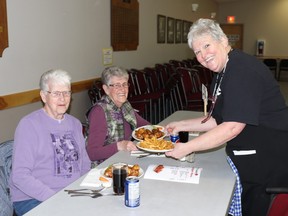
<point>132,192</point>
<point>174,138</point>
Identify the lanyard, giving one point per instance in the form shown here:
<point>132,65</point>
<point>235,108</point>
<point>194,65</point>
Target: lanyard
<point>218,82</point>
<point>216,92</point>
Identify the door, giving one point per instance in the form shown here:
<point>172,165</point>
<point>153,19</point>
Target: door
<point>234,33</point>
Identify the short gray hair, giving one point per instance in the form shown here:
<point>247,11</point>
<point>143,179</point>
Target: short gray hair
<point>205,27</point>
<point>113,71</point>
<point>57,76</point>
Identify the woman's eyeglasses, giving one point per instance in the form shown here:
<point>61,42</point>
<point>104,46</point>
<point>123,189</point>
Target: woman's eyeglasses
<point>58,94</point>
<point>118,85</point>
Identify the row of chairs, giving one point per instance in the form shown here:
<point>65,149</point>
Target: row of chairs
<point>273,66</point>
<point>156,92</point>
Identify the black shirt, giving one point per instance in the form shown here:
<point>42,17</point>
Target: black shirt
<point>250,94</point>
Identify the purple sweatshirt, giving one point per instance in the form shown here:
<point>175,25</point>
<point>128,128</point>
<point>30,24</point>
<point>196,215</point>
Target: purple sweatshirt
<point>48,155</point>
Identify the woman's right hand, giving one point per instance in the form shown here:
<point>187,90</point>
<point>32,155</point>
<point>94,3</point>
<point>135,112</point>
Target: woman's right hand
<point>180,150</point>
<point>172,127</point>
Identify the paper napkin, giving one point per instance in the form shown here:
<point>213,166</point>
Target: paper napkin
<point>174,173</point>
<point>92,179</point>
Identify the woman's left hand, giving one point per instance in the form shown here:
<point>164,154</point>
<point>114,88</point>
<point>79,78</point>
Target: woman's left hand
<point>126,145</point>
<point>131,146</point>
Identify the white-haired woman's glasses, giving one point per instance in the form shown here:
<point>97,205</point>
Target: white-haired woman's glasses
<point>57,94</point>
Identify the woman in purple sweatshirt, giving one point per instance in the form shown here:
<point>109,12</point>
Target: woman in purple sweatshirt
<point>49,149</point>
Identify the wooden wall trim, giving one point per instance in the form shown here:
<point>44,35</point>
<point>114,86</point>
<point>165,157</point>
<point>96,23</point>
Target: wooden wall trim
<point>32,96</point>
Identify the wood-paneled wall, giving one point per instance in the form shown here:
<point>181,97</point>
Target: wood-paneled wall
<point>18,99</point>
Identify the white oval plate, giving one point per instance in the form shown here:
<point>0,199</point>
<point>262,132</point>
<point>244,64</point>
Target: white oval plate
<point>152,150</point>
<point>149,127</point>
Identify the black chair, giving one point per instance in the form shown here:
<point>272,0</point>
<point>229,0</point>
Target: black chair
<point>96,91</point>
<point>138,102</point>
<point>153,81</point>
<point>177,63</point>
<point>272,65</point>
<point>205,75</point>
<point>143,91</point>
<point>164,75</point>
<point>172,94</point>
<point>192,86</point>
<point>283,66</point>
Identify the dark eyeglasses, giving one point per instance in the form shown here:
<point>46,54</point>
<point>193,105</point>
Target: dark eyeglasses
<point>118,85</point>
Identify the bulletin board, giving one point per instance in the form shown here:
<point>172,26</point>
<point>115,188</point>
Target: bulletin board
<point>124,25</point>
<point>3,27</point>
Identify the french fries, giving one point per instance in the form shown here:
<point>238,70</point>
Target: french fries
<point>156,144</point>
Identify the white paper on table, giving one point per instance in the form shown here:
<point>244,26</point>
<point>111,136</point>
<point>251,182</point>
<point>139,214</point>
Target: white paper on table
<point>92,179</point>
<point>175,174</point>
<point>150,154</point>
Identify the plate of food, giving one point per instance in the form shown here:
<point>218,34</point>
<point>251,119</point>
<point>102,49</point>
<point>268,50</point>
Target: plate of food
<point>155,145</point>
<point>133,170</point>
<point>149,131</point>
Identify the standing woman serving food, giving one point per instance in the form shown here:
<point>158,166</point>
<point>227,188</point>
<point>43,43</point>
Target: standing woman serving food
<point>248,112</point>
<point>112,119</point>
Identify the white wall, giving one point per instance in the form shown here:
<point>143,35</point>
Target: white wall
<point>70,34</point>
<point>262,19</point>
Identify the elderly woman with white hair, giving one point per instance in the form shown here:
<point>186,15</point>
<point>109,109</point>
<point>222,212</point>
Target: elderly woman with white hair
<point>248,112</point>
<point>112,119</point>
<point>49,148</point>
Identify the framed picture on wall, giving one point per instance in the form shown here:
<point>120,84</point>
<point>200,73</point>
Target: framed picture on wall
<point>161,28</point>
<point>178,31</point>
<point>185,30</point>
<point>170,29</point>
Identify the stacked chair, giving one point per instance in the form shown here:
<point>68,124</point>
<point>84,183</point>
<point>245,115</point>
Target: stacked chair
<point>155,86</point>
<point>139,102</point>
<point>142,89</point>
<point>192,88</point>
<point>177,63</point>
<point>162,73</point>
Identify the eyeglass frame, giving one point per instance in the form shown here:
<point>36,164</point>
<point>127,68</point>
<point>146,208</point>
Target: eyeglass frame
<point>119,85</point>
<point>57,94</point>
